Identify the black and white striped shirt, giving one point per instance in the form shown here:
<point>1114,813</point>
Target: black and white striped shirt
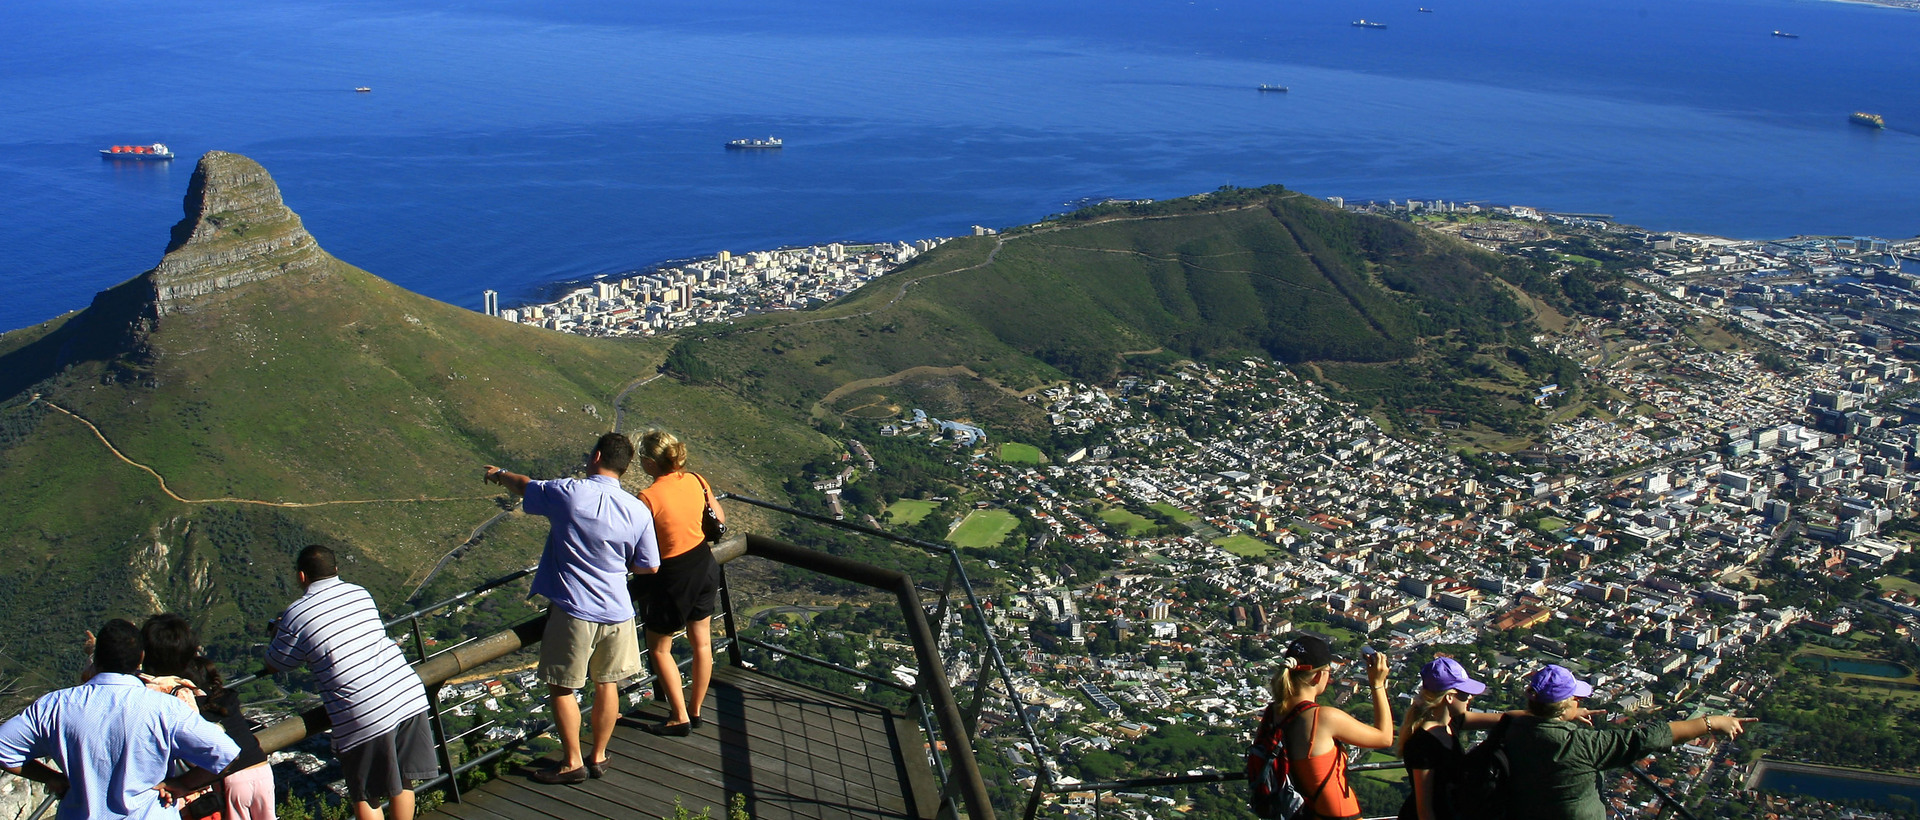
<point>335,630</point>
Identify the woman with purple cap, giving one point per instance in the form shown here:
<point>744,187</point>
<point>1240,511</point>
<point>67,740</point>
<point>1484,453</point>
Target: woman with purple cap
<point>1314,734</point>
<point>1554,751</point>
<point>1429,736</point>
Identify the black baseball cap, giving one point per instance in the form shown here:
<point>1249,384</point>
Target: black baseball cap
<point>1308,652</point>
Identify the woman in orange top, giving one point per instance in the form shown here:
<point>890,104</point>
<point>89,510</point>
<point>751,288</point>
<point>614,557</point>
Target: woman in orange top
<point>680,595</point>
<point>1316,736</point>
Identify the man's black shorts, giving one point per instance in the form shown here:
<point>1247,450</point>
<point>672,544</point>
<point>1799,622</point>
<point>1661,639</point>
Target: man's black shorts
<point>383,767</point>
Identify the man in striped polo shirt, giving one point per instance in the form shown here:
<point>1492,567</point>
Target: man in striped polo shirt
<point>376,703</point>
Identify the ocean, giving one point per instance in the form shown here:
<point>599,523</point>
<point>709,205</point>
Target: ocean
<point>513,146</point>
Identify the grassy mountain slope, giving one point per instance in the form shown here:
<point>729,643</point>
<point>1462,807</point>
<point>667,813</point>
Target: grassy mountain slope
<point>263,400</point>
<point>1259,271</point>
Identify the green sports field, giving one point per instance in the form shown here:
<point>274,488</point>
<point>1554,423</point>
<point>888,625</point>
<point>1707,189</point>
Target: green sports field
<point>909,511</point>
<point>1134,522</point>
<point>1243,545</point>
<point>1015,453</point>
<point>1175,513</point>
<point>984,528</point>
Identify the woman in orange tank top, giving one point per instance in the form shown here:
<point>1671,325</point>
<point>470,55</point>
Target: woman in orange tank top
<point>681,594</point>
<point>1317,736</point>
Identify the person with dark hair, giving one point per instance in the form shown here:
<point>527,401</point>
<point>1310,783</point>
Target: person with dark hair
<point>112,737</point>
<point>376,703</point>
<point>1316,736</point>
<point>1554,752</point>
<point>681,595</point>
<point>244,790</point>
<point>599,532</point>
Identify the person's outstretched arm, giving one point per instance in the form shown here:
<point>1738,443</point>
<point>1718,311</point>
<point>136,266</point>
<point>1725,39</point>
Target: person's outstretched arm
<point>1685,730</point>
<point>1353,732</point>
<point>514,482</point>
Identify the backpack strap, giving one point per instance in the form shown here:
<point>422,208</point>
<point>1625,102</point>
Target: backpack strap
<point>1311,729</point>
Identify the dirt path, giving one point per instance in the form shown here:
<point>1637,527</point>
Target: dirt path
<point>293,504</point>
<point>858,385</point>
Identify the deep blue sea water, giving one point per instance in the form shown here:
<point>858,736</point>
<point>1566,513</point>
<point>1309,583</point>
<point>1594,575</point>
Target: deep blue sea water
<point>512,145</point>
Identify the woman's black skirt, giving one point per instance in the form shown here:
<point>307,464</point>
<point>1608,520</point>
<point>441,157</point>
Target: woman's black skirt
<point>680,593</point>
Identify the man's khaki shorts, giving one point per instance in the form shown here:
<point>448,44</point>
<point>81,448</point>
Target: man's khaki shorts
<point>573,651</point>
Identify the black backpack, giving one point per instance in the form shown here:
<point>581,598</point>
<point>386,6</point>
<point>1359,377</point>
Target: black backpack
<point>1270,792</point>
<point>1479,786</point>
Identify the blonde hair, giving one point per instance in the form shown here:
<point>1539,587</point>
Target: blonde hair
<point>1289,681</point>
<point>1420,712</point>
<point>665,450</point>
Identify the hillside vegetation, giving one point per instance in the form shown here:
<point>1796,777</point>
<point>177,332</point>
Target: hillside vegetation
<point>313,404</point>
<point>171,446</point>
<point>981,320</point>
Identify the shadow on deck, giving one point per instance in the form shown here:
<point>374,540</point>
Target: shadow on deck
<point>793,751</point>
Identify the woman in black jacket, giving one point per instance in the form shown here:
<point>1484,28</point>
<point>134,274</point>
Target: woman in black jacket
<point>245,790</point>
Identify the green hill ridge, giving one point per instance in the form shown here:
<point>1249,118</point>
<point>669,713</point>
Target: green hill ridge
<point>251,365</point>
<point>1262,272</point>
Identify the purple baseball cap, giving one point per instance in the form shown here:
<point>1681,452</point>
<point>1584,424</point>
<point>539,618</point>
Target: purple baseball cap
<point>1443,673</point>
<point>1554,684</point>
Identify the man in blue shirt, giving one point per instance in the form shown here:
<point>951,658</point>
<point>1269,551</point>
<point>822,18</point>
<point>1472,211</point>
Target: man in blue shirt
<point>113,737</point>
<point>599,532</point>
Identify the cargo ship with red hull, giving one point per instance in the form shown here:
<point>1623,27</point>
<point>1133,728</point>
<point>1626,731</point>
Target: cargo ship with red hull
<point>147,153</point>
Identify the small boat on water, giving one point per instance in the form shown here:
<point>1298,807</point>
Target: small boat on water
<point>362,90</point>
<point>1778,33</point>
<point>1368,24</point>
<point>1425,10</point>
<point>145,153</point>
<point>767,144</point>
<point>1277,88</point>
<point>1868,120</point>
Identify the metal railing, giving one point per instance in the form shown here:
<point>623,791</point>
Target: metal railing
<point>949,728</point>
<point>1667,801</point>
<point>434,669</point>
<point>1045,783</point>
<point>957,770</point>
<point>1169,781</point>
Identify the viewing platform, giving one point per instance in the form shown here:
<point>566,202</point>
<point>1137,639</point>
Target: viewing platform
<point>791,750</point>
<point>787,748</point>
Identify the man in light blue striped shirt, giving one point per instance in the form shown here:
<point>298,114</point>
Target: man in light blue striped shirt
<point>113,737</point>
<point>374,699</point>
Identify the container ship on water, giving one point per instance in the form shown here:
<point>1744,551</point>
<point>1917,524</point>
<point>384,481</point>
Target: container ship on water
<point>1275,88</point>
<point>1869,120</point>
<point>156,151</point>
<point>1368,24</point>
<point>767,144</point>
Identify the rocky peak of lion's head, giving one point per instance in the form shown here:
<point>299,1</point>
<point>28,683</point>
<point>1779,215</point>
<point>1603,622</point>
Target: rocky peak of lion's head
<point>236,231</point>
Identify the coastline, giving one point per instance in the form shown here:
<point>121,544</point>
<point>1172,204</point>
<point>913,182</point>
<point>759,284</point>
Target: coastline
<point>1900,5</point>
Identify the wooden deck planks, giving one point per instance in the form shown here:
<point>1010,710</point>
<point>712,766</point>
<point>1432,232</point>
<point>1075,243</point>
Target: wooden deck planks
<point>796,753</point>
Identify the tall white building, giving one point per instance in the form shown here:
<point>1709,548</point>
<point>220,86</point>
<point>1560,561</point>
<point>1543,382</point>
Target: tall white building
<point>492,298</point>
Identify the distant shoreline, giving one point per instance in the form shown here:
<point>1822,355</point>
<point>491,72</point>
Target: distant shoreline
<point>1902,5</point>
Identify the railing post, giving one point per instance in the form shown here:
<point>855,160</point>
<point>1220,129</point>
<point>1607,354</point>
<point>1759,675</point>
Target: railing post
<point>433,710</point>
<point>946,590</point>
<point>1039,788</point>
<point>980,683</point>
<point>734,655</point>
